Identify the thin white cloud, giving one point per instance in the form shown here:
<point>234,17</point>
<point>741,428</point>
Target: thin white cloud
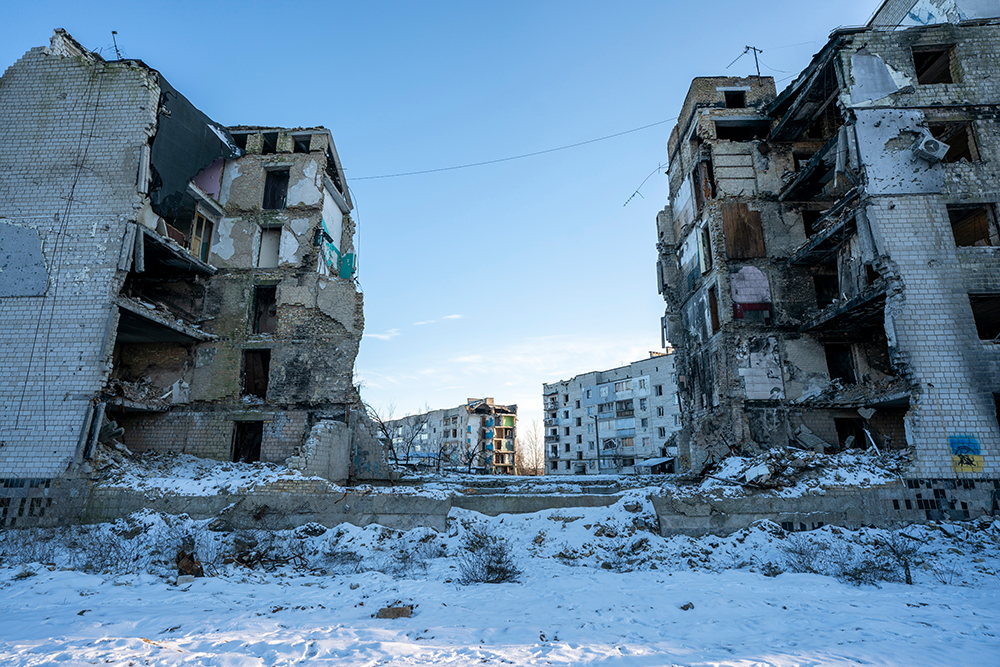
<point>388,335</point>
<point>420,324</point>
<point>452,317</point>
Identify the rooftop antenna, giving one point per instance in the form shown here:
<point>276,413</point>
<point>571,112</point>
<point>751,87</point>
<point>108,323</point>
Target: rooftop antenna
<point>755,52</point>
<point>119,54</point>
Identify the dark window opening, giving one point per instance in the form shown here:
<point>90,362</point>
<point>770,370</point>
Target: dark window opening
<point>579,439</point>
<point>996,403</point>
<point>848,428</point>
<point>256,368</point>
<point>810,220</point>
<point>960,139</point>
<point>871,275</point>
<point>247,437</point>
<point>986,312</point>
<point>241,141</point>
<point>713,306</point>
<point>799,160</point>
<point>827,288</point>
<point>742,130</point>
<point>933,64</point>
<point>566,430</point>
<point>735,99</point>
<point>265,309</point>
<point>840,362</point>
<point>706,244</point>
<point>973,225</point>
<point>275,189</point>
<point>270,145</point>
<point>301,143</point>
<point>567,446</point>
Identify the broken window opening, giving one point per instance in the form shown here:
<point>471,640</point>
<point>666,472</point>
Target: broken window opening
<point>840,362</point>
<point>986,312</point>
<point>735,99</point>
<point>933,64</point>
<point>241,141</point>
<point>800,160</point>
<point>851,432</point>
<point>247,438</point>
<point>713,307</point>
<point>810,220</point>
<point>275,189</point>
<point>996,403</point>
<point>704,183</point>
<point>959,137</point>
<point>265,309</point>
<point>741,130</point>
<point>973,225</point>
<point>827,290</point>
<point>270,244</point>
<point>300,143</point>
<point>270,144</point>
<point>871,275</point>
<point>706,245</point>
<point>201,236</point>
<point>256,369</point>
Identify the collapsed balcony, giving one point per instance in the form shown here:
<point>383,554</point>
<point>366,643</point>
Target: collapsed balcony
<point>852,317</point>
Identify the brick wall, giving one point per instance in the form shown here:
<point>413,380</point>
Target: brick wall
<point>72,128</point>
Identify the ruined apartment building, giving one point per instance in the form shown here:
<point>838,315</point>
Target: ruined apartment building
<point>616,421</point>
<point>478,436</point>
<point>830,256</point>
<point>162,274</point>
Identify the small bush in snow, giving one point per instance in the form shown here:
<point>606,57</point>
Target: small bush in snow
<point>486,558</point>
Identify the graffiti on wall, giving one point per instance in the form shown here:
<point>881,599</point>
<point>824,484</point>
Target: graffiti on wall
<point>966,455</point>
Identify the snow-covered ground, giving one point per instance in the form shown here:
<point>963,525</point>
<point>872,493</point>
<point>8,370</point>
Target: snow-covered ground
<point>598,587</point>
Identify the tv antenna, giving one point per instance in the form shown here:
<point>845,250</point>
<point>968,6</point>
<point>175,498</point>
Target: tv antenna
<point>755,61</point>
<point>119,54</point>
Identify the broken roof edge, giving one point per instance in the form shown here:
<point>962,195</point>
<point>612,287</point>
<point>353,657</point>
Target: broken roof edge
<point>64,44</point>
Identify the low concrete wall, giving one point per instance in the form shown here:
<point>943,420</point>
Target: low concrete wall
<point>904,502</point>
<point>291,503</point>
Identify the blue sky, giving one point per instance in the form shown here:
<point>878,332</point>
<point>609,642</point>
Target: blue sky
<point>484,281</point>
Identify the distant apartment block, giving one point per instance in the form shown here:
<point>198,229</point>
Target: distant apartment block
<point>614,421</point>
<point>477,437</point>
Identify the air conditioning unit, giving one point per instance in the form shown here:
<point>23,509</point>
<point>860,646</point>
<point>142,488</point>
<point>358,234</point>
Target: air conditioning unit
<point>930,149</point>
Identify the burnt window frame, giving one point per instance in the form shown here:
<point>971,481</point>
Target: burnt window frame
<point>735,99</point>
<point>248,439</point>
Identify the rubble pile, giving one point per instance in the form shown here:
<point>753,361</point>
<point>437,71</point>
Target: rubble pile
<point>783,467</point>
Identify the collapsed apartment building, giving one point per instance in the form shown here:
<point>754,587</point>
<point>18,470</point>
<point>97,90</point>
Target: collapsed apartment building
<point>169,282</point>
<point>830,256</point>
<point>618,421</point>
<point>478,436</point>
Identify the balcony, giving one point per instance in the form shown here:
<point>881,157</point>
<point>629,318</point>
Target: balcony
<point>551,438</point>
<point>624,413</point>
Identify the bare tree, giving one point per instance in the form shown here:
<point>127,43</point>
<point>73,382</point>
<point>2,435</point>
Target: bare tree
<point>529,457</point>
<point>410,432</point>
<point>381,419</point>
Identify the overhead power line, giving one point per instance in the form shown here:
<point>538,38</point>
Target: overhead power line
<point>516,157</point>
